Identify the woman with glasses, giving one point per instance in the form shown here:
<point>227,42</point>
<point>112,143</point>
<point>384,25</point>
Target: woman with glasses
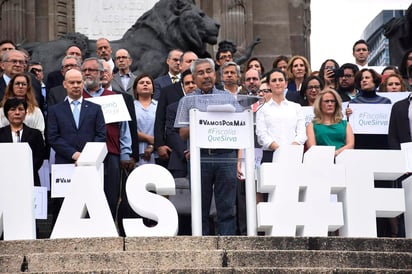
<point>20,87</point>
<point>311,87</point>
<point>328,128</point>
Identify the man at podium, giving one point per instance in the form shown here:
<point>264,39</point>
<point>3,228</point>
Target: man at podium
<point>218,166</point>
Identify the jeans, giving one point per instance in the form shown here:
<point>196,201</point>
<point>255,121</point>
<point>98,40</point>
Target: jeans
<point>218,174</point>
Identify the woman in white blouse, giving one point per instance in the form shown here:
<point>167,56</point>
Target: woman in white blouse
<point>279,121</point>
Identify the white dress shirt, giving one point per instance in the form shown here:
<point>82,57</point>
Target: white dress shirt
<point>282,123</point>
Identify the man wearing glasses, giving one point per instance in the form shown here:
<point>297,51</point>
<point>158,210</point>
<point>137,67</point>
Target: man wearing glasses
<point>124,78</point>
<point>58,93</point>
<point>118,138</point>
<point>13,62</point>
<point>172,76</point>
<point>346,82</point>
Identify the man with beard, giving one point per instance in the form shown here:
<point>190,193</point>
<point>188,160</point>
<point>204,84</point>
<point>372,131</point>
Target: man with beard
<point>118,139</point>
<point>346,83</point>
<point>252,82</point>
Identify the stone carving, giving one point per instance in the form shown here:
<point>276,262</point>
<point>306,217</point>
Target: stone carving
<point>169,24</point>
<point>399,32</point>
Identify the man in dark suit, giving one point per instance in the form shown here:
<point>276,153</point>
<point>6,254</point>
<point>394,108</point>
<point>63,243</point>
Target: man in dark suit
<point>15,111</point>
<point>58,93</point>
<point>13,62</point>
<point>173,74</point>
<point>64,136</point>
<point>67,139</point>
<point>399,124</point>
<point>124,78</point>
<point>55,78</point>
<point>169,95</point>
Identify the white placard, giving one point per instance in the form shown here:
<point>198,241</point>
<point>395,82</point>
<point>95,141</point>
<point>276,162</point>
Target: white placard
<point>213,131</point>
<point>113,107</point>
<point>61,179</point>
<point>407,148</point>
<point>394,96</point>
<point>370,118</point>
<point>40,202</point>
<point>308,114</point>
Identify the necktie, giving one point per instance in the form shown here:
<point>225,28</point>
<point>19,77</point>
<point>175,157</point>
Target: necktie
<point>76,112</point>
<point>174,79</point>
<point>18,136</point>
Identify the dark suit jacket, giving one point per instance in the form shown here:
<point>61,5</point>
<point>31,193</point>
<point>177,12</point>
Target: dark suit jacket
<point>35,139</point>
<point>399,129</point>
<point>168,95</point>
<point>63,135</point>
<point>129,101</point>
<point>54,79</point>
<point>159,83</point>
<point>177,163</point>
<point>56,95</point>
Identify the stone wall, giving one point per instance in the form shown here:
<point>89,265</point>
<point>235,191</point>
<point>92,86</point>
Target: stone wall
<point>35,20</point>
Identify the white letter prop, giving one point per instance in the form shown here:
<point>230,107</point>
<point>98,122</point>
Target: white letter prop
<point>362,201</point>
<point>407,186</point>
<point>153,206</point>
<point>86,195</point>
<point>17,192</point>
<point>299,193</point>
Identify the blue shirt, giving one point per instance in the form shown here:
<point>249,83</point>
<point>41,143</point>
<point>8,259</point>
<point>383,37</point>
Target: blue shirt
<point>145,120</point>
<point>204,101</point>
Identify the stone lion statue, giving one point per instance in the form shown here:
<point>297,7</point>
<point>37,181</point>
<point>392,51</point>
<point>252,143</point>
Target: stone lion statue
<point>169,24</point>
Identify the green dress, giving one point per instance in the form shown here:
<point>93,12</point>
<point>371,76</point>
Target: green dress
<point>331,135</point>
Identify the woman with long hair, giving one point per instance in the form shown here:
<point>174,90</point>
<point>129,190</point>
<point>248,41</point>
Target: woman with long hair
<point>328,128</point>
<point>20,87</point>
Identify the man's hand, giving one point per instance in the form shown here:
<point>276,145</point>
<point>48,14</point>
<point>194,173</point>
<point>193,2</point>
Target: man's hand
<point>163,152</point>
<point>127,164</point>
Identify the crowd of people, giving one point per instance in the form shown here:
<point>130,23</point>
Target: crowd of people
<point>54,116</point>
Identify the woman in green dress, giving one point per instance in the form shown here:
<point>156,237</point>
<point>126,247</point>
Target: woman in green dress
<point>328,128</point>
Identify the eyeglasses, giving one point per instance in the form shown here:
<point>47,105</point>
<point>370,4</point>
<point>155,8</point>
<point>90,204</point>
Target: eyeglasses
<point>23,84</point>
<point>347,76</point>
<point>265,90</point>
<point>121,57</point>
<point>313,87</point>
<point>36,70</point>
<point>225,57</point>
<point>89,70</point>
<point>175,59</point>
<point>17,62</point>
<point>329,101</point>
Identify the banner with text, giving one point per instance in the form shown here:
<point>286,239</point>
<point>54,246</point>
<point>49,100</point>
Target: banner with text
<point>215,132</point>
<point>370,118</point>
